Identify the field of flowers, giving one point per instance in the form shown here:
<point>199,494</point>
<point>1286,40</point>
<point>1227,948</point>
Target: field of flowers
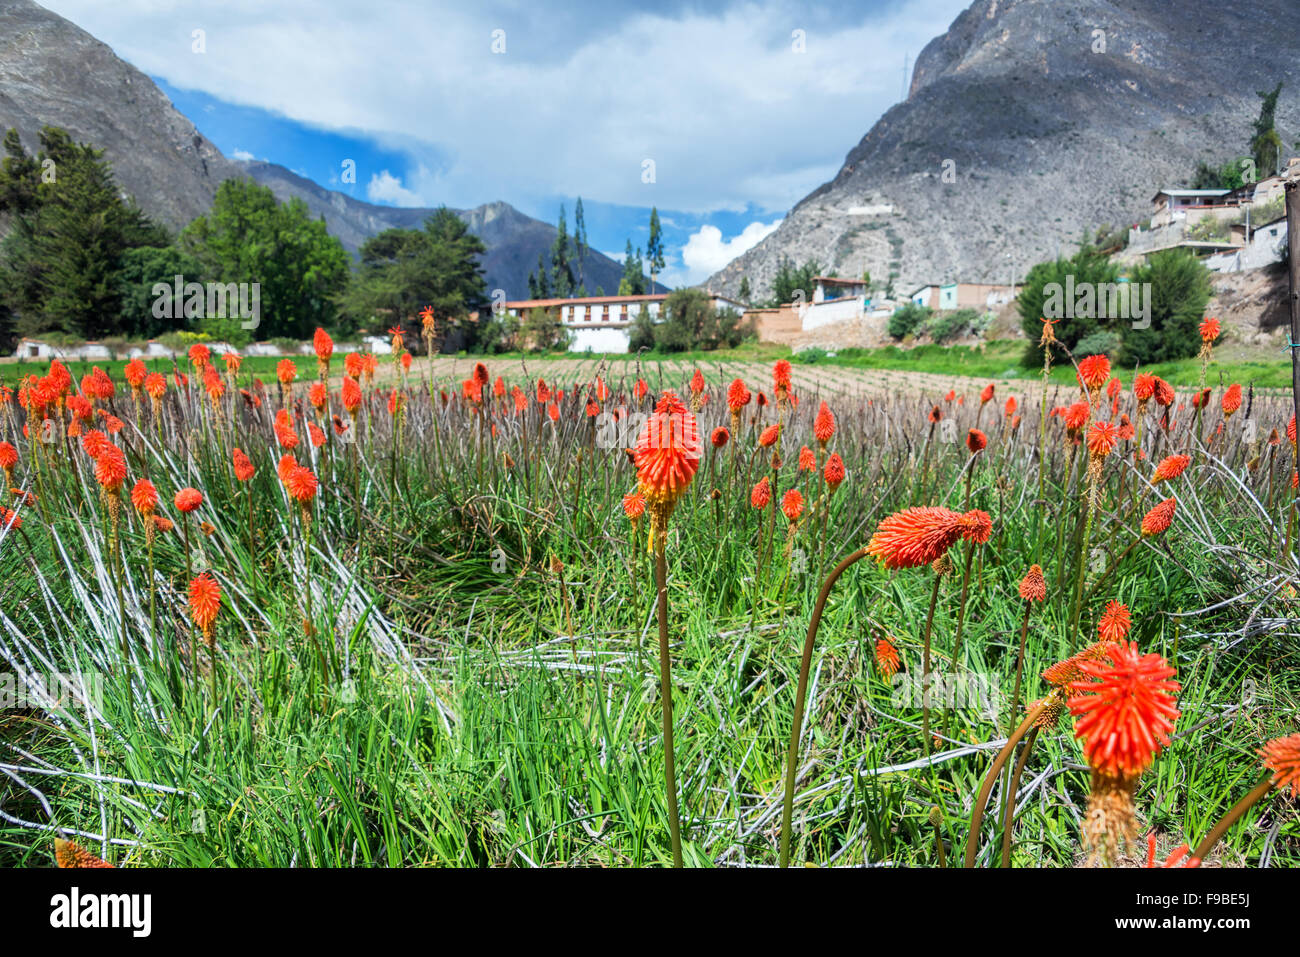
<point>645,615</point>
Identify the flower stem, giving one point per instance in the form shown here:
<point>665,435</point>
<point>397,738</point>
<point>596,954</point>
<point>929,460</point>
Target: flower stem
<point>792,753</point>
<point>1231,818</point>
<point>666,695</point>
<point>982,800</point>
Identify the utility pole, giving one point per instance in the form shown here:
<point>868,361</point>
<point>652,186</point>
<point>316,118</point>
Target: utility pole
<point>1293,269</point>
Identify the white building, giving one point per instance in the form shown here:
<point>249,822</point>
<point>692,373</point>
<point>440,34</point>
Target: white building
<point>602,323</point>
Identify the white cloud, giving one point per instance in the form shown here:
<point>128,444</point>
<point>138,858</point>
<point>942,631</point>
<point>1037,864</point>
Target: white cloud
<point>243,156</point>
<point>706,251</point>
<point>729,113</point>
<point>384,187</point>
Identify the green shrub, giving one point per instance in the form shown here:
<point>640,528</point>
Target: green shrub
<point>907,320</point>
<point>946,326</point>
<point>1103,342</point>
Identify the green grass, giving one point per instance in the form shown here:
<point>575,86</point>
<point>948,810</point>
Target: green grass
<point>479,708</point>
<point>13,372</point>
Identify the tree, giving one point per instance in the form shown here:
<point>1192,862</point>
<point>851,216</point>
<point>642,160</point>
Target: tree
<point>743,293</point>
<point>794,283</point>
<point>654,247</point>
<point>1266,144</point>
<point>250,237</point>
<point>562,278</point>
<point>1180,288</point>
<point>580,242</point>
<point>1043,292</point>
<point>71,228</point>
<point>633,281</point>
<point>690,321</point>
<point>402,270</point>
<point>144,267</point>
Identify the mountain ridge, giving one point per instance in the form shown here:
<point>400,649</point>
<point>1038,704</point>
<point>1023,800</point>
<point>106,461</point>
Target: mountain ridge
<point>1042,137</point>
<point>54,73</point>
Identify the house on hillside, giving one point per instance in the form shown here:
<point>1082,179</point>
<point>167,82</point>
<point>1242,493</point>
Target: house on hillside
<point>1169,205</point>
<point>981,296</point>
<point>602,323</point>
<point>829,288</point>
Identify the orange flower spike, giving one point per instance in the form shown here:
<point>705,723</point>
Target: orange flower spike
<point>792,505</point>
<point>917,536</point>
<point>634,505</point>
<point>986,395</point>
<point>72,855</point>
<point>144,496</point>
<point>887,660</point>
<point>769,436</point>
<point>1210,330</point>
<point>1158,520</point>
<point>976,441</point>
<point>737,396</point>
<point>243,466</point>
<point>1170,468</point>
<point>807,460</point>
<point>1115,622</point>
<point>110,468</point>
<point>1231,400</point>
<point>1033,587</point>
<point>323,346</point>
<point>761,494</point>
<point>205,602</point>
<point>1102,438</point>
<point>1282,757</point>
<point>720,437</point>
<point>834,473</point>
<point>301,484</point>
<point>188,499</point>
<point>1124,716</point>
<point>824,425</point>
<point>1093,372</point>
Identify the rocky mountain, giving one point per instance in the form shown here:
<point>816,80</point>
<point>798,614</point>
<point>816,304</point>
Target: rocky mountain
<point>54,73</point>
<point>514,240</point>
<point>1031,121</point>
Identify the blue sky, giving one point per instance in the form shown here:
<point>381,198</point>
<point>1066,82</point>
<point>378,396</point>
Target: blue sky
<point>722,115</point>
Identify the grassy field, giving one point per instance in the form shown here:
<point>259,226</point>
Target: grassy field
<point>450,654</point>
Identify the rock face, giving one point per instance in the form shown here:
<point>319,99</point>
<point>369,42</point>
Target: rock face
<point>1045,127</point>
<point>54,73</point>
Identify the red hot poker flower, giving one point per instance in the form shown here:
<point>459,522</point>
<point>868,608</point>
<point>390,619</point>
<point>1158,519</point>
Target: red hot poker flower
<point>738,396</point>
<point>188,499</point>
<point>792,504</point>
<point>824,424</point>
<point>1093,372</point>
<point>1159,518</point>
<point>1102,438</point>
<point>761,494</point>
<point>987,394</point>
<point>205,602</point>
<point>719,437</point>
<point>243,466</point>
<point>1127,713</point>
<point>1114,623</point>
<point>323,346</point>
<point>976,441</point>
<point>667,454</point>
<point>834,471</point>
<point>1170,468</point>
<point>1033,587</point>
<point>1209,330</point>
<point>887,660</point>
<point>919,535</point>
<point>1282,757</point>
<point>769,436</point>
<point>144,497</point>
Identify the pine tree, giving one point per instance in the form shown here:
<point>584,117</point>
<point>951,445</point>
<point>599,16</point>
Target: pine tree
<point>580,243</point>
<point>744,292</point>
<point>1266,144</point>
<point>562,280</point>
<point>654,249</point>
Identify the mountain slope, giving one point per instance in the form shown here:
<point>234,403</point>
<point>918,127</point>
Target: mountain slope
<point>514,240</point>
<point>1046,137</point>
<point>54,73</point>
